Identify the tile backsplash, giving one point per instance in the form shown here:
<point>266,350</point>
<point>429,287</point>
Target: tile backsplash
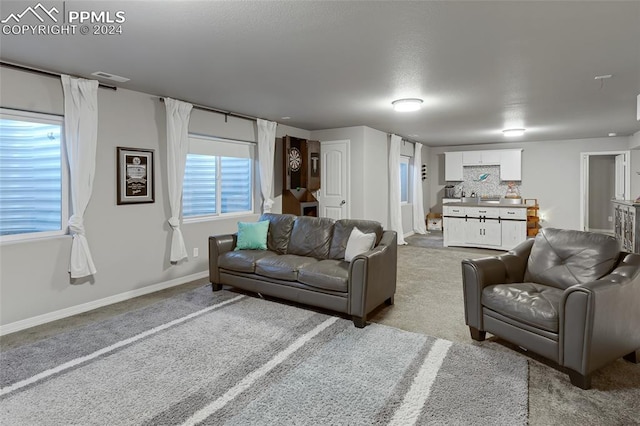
<point>490,186</point>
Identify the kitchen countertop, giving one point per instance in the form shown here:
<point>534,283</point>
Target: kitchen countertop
<point>486,204</point>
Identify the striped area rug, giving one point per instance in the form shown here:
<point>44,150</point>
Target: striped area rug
<point>223,358</point>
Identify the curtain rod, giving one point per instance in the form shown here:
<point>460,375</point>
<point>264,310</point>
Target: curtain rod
<point>403,139</point>
<point>44,72</point>
<point>219,111</point>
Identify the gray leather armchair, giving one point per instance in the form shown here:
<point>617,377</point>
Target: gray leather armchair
<point>569,296</point>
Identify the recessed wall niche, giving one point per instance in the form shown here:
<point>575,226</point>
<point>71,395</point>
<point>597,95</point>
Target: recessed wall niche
<point>301,175</point>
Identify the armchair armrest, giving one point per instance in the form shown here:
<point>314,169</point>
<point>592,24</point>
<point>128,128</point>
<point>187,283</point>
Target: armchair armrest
<point>372,276</point>
<point>600,320</point>
<point>480,273</point>
<point>218,245</point>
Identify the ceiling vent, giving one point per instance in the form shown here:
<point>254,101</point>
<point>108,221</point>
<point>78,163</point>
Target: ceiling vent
<point>112,77</point>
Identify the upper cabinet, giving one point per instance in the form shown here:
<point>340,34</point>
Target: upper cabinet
<point>509,160</point>
<point>481,158</point>
<point>511,164</point>
<point>453,166</point>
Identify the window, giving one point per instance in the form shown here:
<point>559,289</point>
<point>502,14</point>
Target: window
<point>404,180</point>
<point>218,178</point>
<point>33,176</point>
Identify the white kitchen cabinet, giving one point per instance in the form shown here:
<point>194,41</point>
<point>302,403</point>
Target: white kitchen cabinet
<point>455,231</point>
<point>483,232</point>
<point>491,226</point>
<point>481,158</point>
<point>513,233</point>
<point>511,164</point>
<point>453,166</point>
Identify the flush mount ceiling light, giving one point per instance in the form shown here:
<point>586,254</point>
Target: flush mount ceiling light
<point>513,132</point>
<point>407,105</point>
<point>109,76</point>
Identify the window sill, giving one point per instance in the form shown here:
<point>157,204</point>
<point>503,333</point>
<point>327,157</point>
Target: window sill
<point>33,239</point>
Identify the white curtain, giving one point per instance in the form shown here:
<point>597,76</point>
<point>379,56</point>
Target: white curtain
<point>418,209</point>
<point>178,114</point>
<point>395,210</point>
<point>266,153</point>
<point>81,139</point>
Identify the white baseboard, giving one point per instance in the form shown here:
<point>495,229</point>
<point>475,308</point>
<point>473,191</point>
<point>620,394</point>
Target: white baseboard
<point>408,234</point>
<point>78,309</point>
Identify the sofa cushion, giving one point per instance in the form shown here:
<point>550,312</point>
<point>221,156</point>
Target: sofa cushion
<point>342,230</point>
<point>311,236</point>
<point>533,304</point>
<point>562,258</point>
<point>252,235</point>
<point>243,260</point>
<point>358,243</point>
<point>283,267</point>
<point>280,226</point>
<point>328,274</point>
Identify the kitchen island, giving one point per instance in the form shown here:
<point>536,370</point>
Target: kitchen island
<point>492,225</point>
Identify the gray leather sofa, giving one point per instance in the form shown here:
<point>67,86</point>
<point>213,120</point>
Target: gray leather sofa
<point>569,296</point>
<point>304,262</point>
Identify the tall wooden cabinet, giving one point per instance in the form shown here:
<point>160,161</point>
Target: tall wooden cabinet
<point>626,222</point>
<point>301,176</point>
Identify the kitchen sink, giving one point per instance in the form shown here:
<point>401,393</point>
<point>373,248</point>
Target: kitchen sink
<point>469,199</point>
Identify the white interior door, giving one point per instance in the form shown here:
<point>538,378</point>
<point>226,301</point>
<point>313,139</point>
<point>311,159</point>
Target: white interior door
<point>333,197</point>
<point>620,193</point>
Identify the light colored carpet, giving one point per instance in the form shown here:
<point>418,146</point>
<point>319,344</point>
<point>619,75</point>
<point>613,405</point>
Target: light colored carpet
<point>222,358</point>
<point>429,300</point>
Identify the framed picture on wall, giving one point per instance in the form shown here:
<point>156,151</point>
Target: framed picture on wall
<point>135,176</point>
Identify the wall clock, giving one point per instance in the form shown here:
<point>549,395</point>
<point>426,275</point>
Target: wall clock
<point>295,159</point>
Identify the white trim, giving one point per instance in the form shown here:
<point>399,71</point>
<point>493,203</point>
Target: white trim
<point>408,234</point>
<point>78,309</point>
<point>44,118</point>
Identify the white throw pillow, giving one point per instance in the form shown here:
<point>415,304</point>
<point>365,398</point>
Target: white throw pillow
<point>358,243</point>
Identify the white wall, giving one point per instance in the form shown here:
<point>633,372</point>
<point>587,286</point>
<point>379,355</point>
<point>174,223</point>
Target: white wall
<point>129,243</point>
<point>375,165</point>
<point>550,173</point>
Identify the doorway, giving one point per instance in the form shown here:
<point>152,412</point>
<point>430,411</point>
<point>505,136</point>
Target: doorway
<point>605,176</point>
<point>333,197</point>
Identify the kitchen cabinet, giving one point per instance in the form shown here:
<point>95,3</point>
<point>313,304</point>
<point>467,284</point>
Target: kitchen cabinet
<point>481,158</point>
<point>483,232</point>
<point>626,222</point>
<point>511,164</point>
<point>509,161</point>
<point>453,166</point>
<point>455,231</point>
<point>483,226</point>
<point>495,227</point>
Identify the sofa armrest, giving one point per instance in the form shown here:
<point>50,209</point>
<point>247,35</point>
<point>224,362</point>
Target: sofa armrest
<point>218,245</point>
<point>600,320</point>
<point>372,276</point>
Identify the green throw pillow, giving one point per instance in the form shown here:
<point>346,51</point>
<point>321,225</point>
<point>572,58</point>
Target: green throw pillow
<point>252,235</point>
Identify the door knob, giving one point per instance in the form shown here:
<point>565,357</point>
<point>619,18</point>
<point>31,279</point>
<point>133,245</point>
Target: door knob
<point>343,202</point>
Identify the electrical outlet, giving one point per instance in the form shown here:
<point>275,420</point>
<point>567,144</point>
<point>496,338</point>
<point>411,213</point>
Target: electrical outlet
<point>610,218</point>
<point>195,252</point>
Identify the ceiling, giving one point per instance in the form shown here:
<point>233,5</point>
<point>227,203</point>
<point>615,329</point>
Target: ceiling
<point>479,66</point>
